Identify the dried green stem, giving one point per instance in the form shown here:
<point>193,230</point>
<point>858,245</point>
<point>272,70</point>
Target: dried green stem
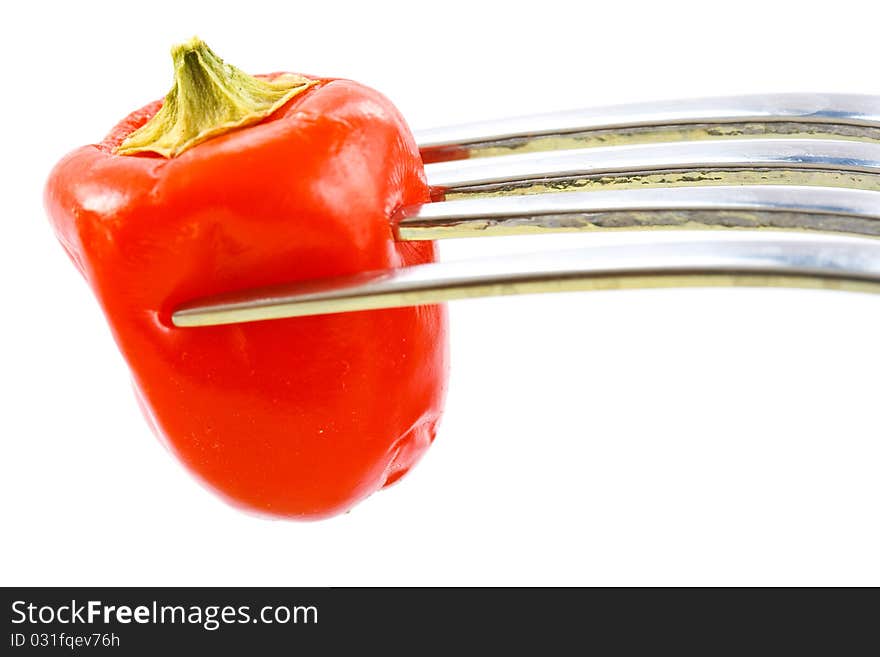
<point>209,98</point>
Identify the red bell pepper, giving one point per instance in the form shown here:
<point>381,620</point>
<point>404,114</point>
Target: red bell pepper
<point>234,182</point>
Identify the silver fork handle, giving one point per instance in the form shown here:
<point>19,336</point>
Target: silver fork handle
<point>781,261</point>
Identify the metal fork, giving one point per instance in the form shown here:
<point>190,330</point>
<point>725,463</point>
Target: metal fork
<point>797,162</point>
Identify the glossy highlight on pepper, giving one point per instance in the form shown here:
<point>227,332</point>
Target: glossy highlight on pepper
<point>250,181</point>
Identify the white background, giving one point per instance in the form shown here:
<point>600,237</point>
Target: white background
<point>662,437</point>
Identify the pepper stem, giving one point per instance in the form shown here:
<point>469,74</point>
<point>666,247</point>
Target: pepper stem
<point>209,98</point>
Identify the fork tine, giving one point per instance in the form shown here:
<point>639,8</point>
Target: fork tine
<point>854,117</point>
<point>783,261</point>
<point>779,207</point>
<point>746,161</point>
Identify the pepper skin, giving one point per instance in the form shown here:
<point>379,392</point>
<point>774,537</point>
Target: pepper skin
<point>299,418</point>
